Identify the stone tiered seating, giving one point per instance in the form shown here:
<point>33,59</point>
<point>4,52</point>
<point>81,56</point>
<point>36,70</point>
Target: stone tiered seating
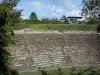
<point>53,49</point>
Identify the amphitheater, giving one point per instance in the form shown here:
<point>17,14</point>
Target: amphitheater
<point>50,49</point>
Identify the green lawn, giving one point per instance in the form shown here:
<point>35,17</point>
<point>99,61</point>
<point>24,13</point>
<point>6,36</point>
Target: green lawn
<point>66,71</point>
<point>60,27</point>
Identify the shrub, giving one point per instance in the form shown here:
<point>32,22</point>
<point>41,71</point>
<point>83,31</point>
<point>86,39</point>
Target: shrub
<point>14,72</point>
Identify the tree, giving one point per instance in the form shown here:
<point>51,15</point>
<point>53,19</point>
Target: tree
<point>91,8</point>
<point>5,38</point>
<point>11,3</point>
<point>33,16</point>
<point>92,21</point>
<point>45,20</point>
<point>64,19</point>
<point>55,21</point>
<point>15,15</point>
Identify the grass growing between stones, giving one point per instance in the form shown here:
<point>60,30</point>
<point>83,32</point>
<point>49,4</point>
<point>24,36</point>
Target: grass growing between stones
<point>64,71</point>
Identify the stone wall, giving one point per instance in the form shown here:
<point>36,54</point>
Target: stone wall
<point>51,49</point>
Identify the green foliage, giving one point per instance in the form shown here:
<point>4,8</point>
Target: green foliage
<point>91,8</point>
<point>27,21</point>
<point>64,19</point>
<point>50,21</point>
<point>75,72</point>
<point>55,21</point>
<point>92,21</point>
<point>82,70</point>
<point>5,40</point>
<point>59,71</point>
<point>89,71</point>
<point>14,17</point>
<point>45,20</point>
<point>4,13</point>
<point>12,3</point>
<point>42,71</point>
<point>33,16</point>
<point>14,72</point>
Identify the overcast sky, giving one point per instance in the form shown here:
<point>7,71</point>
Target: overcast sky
<point>50,8</point>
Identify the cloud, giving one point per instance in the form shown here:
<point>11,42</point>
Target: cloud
<point>65,4</point>
<point>59,12</point>
<point>24,17</point>
<point>63,7</point>
<point>74,13</point>
<point>56,8</point>
<point>36,4</point>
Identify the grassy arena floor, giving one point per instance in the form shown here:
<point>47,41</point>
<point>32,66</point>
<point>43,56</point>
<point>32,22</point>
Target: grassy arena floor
<point>66,71</point>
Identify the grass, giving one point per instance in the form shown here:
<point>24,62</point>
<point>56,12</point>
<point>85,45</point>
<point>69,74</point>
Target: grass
<point>19,26</point>
<point>50,72</point>
<point>60,27</point>
<point>76,27</point>
<point>66,71</point>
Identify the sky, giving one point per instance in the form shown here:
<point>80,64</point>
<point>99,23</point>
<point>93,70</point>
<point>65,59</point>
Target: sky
<point>50,8</point>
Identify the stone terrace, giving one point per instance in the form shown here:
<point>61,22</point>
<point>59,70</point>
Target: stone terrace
<point>50,49</point>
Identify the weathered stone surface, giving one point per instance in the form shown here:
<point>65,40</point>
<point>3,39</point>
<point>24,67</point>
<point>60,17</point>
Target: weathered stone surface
<point>52,49</point>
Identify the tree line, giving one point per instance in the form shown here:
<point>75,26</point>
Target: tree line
<point>33,19</point>
<point>90,10</point>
